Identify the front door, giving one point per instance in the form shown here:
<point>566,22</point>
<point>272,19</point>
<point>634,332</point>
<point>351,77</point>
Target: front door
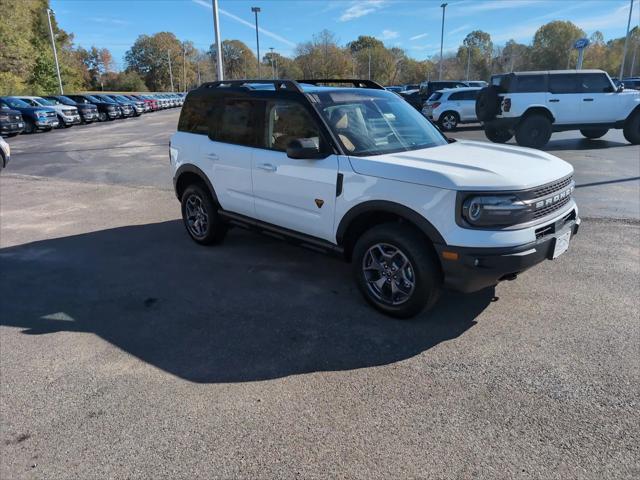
<point>598,98</point>
<point>295,194</point>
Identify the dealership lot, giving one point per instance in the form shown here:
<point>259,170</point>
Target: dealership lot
<point>128,351</point>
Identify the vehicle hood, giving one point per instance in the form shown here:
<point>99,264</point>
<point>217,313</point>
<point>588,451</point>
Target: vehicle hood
<point>467,165</point>
<point>11,111</point>
<point>34,109</point>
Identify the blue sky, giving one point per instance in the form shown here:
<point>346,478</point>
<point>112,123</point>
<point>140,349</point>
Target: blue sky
<point>413,25</point>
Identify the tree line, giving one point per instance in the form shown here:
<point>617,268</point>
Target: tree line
<point>154,61</point>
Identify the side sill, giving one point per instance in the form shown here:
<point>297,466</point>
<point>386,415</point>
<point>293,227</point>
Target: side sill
<point>290,236</point>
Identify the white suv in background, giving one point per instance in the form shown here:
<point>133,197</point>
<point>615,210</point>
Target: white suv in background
<point>451,107</point>
<point>532,105</point>
<point>360,172</point>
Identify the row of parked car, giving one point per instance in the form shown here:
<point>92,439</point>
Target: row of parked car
<point>30,114</point>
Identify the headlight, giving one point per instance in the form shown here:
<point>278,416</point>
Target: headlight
<point>4,116</point>
<point>41,114</point>
<point>493,210</point>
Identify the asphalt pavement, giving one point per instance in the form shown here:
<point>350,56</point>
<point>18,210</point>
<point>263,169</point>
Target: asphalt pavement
<point>127,351</point>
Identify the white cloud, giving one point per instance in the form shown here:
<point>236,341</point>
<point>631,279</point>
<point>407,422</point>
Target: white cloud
<point>459,29</point>
<point>360,9</point>
<point>418,37</point>
<point>113,21</point>
<point>389,35</point>
<point>244,22</point>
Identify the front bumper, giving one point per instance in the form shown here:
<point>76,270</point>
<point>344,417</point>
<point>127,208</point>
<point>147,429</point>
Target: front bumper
<point>71,120</point>
<point>89,116</point>
<point>44,123</point>
<point>470,269</point>
<point>10,128</point>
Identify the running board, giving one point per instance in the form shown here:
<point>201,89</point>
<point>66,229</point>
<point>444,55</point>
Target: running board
<point>285,234</point>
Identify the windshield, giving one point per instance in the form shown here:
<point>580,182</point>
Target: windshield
<point>91,98</point>
<point>375,122</point>
<point>104,98</point>
<point>44,101</point>
<point>16,103</point>
<point>64,100</point>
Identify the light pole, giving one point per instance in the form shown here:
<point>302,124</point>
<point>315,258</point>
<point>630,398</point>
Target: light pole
<point>256,10</point>
<point>369,53</point>
<point>216,33</point>
<point>443,6</point>
<point>170,72</point>
<point>468,60</point>
<point>55,52</point>
<point>184,67</point>
<point>273,69</point>
<point>626,41</point>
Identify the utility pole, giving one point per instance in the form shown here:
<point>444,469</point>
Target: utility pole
<point>369,53</point>
<point>468,60</point>
<point>55,52</point>
<point>198,65</point>
<point>273,68</point>
<point>170,72</point>
<point>443,6</point>
<point>184,68</point>
<point>256,10</point>
<point>216,33</point>
<point>626,41</point>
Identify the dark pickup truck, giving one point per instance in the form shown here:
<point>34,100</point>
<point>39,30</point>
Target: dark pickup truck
<point>11,122</point>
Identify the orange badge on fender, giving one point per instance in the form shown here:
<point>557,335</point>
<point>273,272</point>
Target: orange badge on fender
<point>319,202</point>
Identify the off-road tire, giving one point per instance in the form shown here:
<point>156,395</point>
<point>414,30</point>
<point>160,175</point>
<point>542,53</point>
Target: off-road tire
<point>427,274</point>
<point>631,128</point>
<point>534,131</point>
<point>215,229</point>
<point>593,133</point>
<point>497,135</point>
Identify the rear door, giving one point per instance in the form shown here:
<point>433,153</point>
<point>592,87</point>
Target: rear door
<point>292,193</point>
<point>598,98</point>
<point>565,98</point>
<point>229,150</point>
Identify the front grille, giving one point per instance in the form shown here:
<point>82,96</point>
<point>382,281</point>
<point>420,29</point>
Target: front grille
<point>69,112</point>
<point>551,187</point>
<point>543,212</point>
<point>50,114</point>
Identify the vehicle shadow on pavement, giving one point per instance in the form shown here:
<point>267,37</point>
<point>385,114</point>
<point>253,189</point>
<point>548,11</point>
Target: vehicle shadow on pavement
<point>581,144</point>
<point>254,308</point>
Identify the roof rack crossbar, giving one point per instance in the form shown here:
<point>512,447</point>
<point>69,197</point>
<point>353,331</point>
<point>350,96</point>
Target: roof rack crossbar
<point>278,84</point>
<point>357,82</point>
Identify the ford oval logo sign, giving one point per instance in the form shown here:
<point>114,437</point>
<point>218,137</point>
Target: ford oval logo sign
<point>582,43</point>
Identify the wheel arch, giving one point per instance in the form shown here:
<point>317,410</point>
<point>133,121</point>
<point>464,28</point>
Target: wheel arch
<point>186,175</point>
<point>375,212</point>
<point>636,110</point>
<point>540,110</point>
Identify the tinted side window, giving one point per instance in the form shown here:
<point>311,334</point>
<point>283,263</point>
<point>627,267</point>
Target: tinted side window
<point>286,121</point>
<point>457,96</point>
<point>194,115</point>
<point>531,83</point>
<point>564,83</point>
<point>595,83</point>
<point>237,123</point>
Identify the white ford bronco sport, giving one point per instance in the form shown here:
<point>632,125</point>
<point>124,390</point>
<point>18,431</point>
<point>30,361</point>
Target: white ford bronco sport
<point>532,105</point>
<point>360,172</point>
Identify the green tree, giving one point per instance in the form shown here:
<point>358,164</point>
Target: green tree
<point>149,57</point>
<point>238,60</point>
<point>552,47</point>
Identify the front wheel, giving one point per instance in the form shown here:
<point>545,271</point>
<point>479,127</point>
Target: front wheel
<point>498,135</point>
<point>534,131</point>
<point>102,116</point>
<point>631,129</point>
<point>396,271</point>
<point>594,132</point>
<point>448,121</point>
<point>200,216</point>
<point>29,126</point>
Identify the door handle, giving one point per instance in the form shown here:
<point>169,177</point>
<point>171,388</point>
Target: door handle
<point>267,167</point>
<point>554,100</point>
<point>587,99</point>
<point>213,156</point>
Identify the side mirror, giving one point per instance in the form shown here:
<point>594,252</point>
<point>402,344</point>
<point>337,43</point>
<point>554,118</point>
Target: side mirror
<point>620,88</point>
<point>304,149</point>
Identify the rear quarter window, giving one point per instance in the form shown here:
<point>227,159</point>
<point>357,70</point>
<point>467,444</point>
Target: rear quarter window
<point>530,83</point>
<point>457,96</point>
<point>194,115</point>
<point>435,96</point>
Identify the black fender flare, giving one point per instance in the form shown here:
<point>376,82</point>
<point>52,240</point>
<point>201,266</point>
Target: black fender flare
<point>388,207</point>
<point>190,168</point>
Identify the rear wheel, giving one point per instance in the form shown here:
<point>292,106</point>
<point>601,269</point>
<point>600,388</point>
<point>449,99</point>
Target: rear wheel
<point>534,131</point>
<point>631,128</point>
<point>396,271</point>
<point>448,121</point>
<point>594,132</point>
<point>102,116</point>
<point>497,135</point>
<point>200,216</point>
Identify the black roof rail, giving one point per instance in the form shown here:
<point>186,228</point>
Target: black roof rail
<point>278,84</point>
<point>356,82</point>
